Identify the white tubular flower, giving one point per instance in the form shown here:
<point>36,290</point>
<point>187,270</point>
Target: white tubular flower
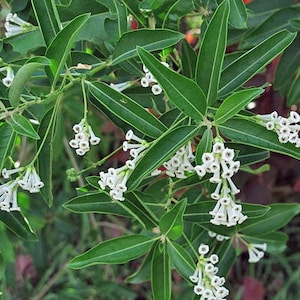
<point>84,137</point>
<point>31,181</point>
<point>15,25</point>
<point>116,180</point>
<point>208,285</point>
<point>180,163</point>
<point>6,173</point>
<point>256,252</point>
<point>120,86</point>
<point>8,197</point>
<point>150,81</point>
<point>287,129</point>
<point>7,80</point>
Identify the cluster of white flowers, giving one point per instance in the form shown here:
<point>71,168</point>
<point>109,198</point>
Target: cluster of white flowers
<point>7,80</point>
<point>256,252</point>
<point>116,179</point>
<point>15,25</point>
<point>208,284</point>
<point>180,162</point>
<point>220,163</point>
<point>287,129</point>
<point>30,181</point>
<point>84,136</point>
<point>149,80</point>
<point>218,237</point>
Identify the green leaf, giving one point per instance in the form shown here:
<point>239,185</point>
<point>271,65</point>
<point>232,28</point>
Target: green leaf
<point>126,109</point>
<point>149,39</point>
<point>171,223</point>
<point>250,133</point>
<point>115,251</point>
<point>276,241</point>
<point>134,204</point>
<point>227,258</point>
<point>161,275</point>
<point>181,259</point>
<point>47,17</point>
<point>251,62</point>
<point>238,14</point>
<point>143,273</point>
<point>99,202</point>
<point>294,91</point>
<point>45,158</point>
<point>22,77</point>
<point>159,152</point>
<point>18,224</point>
<point>189,59</point>
<point>59,49</point>
<point>211,53</point>
<point>183,92</point>
<point>8,138</point>
<point>234,103</point>
<point>199,212</point>
<point>205,145</point>
<point>278,216</point>
<point>21,125</point>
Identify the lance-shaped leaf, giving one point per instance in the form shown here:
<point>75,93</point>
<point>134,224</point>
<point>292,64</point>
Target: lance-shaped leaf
<point>181,259</point>
<point>150,40</point>
<point>161,274</point>
<point>182,91</point>
<point>48,19</point>
<point>18,224</point>
<point>234,103</point>
<point>8,138</point>
<point>22,77</point>
<point>253,134</point>
<point>126,109</point>
<point>159,152</point>
<point>115,251</point>
<point>211,53</point>
<point>189,60</point>
<point>276,241</point>
<point>294,91</point>
<point>22,126</point>
<point>95,203</point>
<point>227,256</point>
<point>251,62</point>
<point>205,145</point>
<point>171,223</point>
<point>238,14</point>
<point>278,216</point>
<point>61,45</point>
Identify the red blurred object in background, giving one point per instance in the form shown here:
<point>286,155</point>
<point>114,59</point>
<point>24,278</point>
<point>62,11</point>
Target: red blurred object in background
<point>247,1</point>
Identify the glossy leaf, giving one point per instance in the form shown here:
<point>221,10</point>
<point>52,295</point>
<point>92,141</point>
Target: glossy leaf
<point>181,259</point>
<point>22,77</point>
<point>8,138</point>
<point>250,133</point>
<point>236,102</point>
<point>126,109</point>
<point>276,241</point>
<point>59,49</point>
<point>189,59</point>
<point>171,223</point>
<point>182,91</point>
<point>278,216</point>
<point>159,152</point>
<point>22,126</point>
<point>251,62</point>
<point>18,224</point>
<point>238,14</point>
<point>115,251</point>
<point>99,202</point>
<point>211,53</point>
<point>294,91</point>
<point>227,256</point>
<point>161,275</point>
<point>47,17</point>
<point>205,145</point>
<point>150,40</point>
<point>199,212</point>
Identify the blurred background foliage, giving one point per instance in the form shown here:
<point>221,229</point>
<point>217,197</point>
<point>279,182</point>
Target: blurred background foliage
<point>38,269</point>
